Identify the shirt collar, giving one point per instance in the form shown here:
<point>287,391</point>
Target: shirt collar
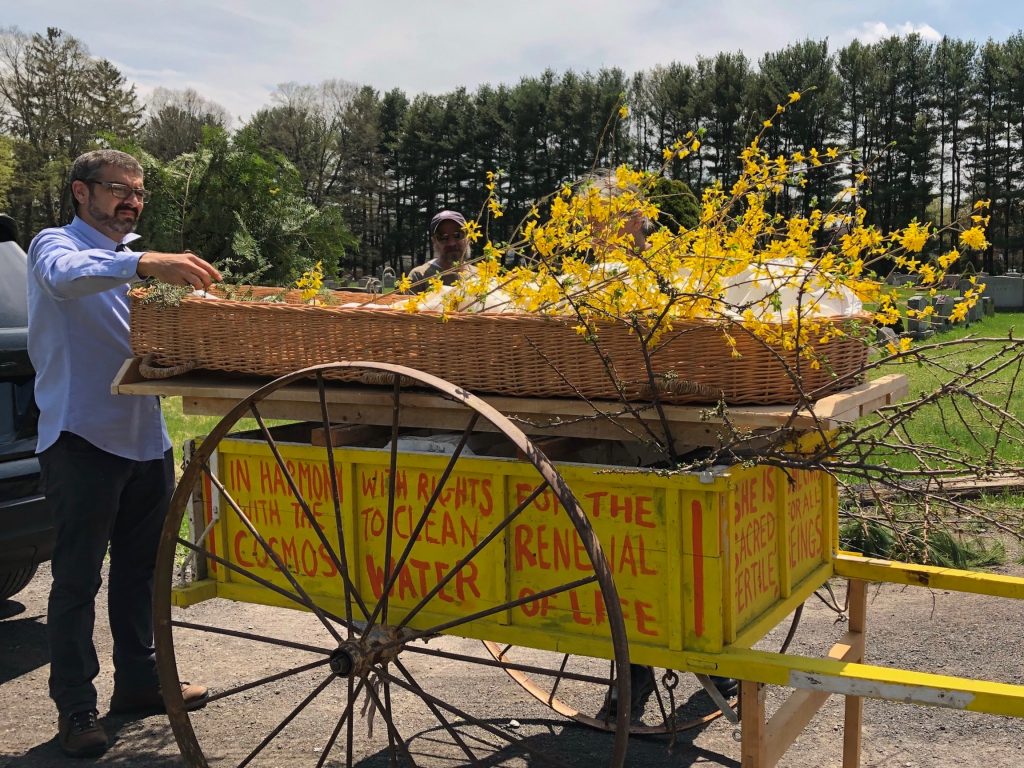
<point>97,239</point>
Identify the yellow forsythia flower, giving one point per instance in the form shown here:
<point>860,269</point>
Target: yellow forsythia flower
<point>311,281</point>
<point>472,230</point>
<point>914,237</point>
<point>583,259</point>
<point>973,238</point>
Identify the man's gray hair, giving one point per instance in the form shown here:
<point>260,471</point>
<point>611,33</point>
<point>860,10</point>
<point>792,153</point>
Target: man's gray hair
<point>87,166</point>
<point>605,181</point>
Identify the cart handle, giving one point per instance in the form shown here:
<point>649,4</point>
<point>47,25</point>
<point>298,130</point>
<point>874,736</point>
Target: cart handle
<point>148,370</point>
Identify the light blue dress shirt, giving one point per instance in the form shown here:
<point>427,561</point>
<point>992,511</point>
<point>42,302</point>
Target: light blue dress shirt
<point>78,338</point>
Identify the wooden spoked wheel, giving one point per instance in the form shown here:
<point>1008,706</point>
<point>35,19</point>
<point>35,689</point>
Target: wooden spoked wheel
<point>664,701</point>
<point>380,637</point>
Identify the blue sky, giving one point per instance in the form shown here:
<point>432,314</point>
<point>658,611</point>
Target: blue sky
<point>236,52</point>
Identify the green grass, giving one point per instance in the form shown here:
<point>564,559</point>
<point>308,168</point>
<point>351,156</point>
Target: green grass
<point>956,424</point>
<point>999,326</point>
<point>940,546</point>
<point>971,535</point>
<point>182,427</point>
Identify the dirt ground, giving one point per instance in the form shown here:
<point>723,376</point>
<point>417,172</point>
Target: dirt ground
<point>909,627</point>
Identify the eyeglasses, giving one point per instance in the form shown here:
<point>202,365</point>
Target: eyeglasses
<point>452,236</point>
<point>122,191</point>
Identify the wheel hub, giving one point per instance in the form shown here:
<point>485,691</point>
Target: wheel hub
<point>355,657</point>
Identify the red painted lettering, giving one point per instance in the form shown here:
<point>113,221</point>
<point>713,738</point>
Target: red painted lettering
<point>440,569</point>
<point>288,552</point>
<point>376,576</point>
<point>488,503</point>
<point>542,547</point>
<point>330,569</point>
<point>769,484</point>
<point>405,585</point>
<point>423,489</point>
<point>621,506</point>
<point>523,553</point>
<point>644,619</point>
<point>644,569</point>
<point>531,607</point>
<point>310,564</point>
<point>240,537</point>
<point>422,567</point>
<point>577,615</point>
<point>447,529</point>
<point>643,512</point>
<point>560,551</point>
<point>238,472</point>
<point>465,579</point>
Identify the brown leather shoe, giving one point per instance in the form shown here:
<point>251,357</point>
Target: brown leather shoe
<point>151,700</point>
<point>81,735</point>
<point>195,695</point>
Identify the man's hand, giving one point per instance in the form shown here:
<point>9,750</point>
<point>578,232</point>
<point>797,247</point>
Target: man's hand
<point>178,269</point>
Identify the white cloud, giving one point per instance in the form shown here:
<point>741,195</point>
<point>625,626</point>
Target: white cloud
<point>235,52</point>
<point>873,31</point>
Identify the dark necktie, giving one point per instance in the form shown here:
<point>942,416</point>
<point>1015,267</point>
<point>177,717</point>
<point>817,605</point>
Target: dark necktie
<point>121,247</point>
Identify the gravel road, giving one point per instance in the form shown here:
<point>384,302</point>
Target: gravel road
<point>910,627</point>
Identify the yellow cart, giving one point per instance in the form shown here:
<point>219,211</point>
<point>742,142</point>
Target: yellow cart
<point>570,574</point>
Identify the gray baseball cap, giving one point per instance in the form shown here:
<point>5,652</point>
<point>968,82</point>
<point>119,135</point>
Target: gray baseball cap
<point>455,216</point>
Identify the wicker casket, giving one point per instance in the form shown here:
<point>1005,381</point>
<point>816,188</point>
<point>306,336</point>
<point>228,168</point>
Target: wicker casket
<point>505,354</point>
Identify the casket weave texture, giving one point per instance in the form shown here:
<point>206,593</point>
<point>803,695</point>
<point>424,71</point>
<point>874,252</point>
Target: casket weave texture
<point>504,354</point>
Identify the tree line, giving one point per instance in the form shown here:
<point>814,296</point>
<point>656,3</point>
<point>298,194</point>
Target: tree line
<point>351,175</point>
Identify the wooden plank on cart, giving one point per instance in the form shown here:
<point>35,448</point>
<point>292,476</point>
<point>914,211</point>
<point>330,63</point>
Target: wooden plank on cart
<point>851,404</point>
<point>555,448</point>
<point>344,434</point>
<point>205,393</point>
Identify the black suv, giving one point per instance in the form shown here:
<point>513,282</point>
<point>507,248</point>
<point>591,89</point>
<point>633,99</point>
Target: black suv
<point>26,527</point>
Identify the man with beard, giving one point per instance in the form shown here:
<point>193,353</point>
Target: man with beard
<point>450,247</point>
<point>106,460</point>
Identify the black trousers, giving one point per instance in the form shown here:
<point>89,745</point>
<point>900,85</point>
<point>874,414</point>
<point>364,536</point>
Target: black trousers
<point>100,500</point>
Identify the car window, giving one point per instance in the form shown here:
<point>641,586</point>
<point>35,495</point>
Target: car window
<point>13,301</point>
<point>18,413</point>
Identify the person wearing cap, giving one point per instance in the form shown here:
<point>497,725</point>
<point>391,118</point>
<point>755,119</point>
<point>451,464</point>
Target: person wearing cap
<point>450,246</point>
